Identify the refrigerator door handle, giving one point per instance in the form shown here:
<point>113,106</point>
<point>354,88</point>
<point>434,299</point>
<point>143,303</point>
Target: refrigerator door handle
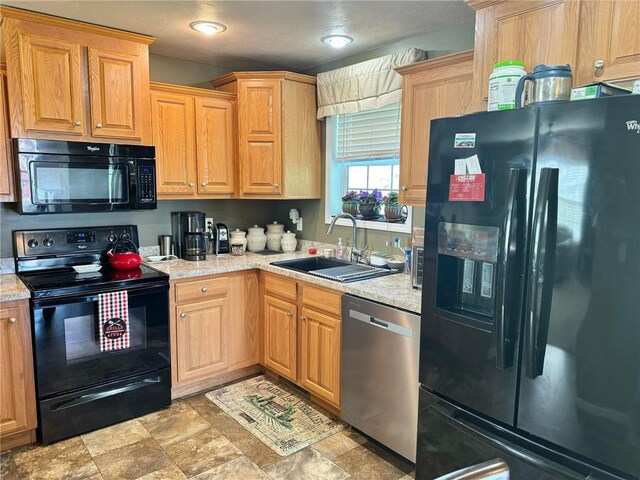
<point>541,268</point>
<point>504,346</point>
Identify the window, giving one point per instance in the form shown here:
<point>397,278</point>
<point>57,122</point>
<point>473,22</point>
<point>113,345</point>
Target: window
<point>363,151</point>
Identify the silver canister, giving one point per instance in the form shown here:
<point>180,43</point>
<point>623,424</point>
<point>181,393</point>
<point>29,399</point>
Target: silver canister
<point>165,242</point>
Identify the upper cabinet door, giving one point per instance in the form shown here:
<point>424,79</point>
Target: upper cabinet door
<point>609,41</point>
<point>536,32</point>
<point>173,137</point>
<point>116,90</point>
<point>260,120</point>
<point>215,139</point>
<point>53,97</point>
<point>6,160</point>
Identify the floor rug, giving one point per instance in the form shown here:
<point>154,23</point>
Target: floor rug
<point>276,414</point>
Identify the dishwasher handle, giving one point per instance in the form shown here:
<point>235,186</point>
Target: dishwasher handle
<point>378,323</point>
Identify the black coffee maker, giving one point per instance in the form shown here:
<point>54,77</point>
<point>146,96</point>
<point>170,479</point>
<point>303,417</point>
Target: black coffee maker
<point>223,243</point>
<point>189,237</point>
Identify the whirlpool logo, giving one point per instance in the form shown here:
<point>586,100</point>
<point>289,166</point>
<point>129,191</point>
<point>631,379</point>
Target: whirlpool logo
<point>633,125</point>
<point>93,149</point>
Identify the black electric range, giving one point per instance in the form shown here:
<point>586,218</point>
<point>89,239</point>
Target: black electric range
<point>86,378</point>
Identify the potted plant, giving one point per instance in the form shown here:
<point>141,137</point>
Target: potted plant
<point>350,203</point>
<point>369,203</point>
<point>393,211</point>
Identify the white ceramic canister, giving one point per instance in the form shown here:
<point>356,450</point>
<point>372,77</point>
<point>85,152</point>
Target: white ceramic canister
<point>238,238</point>
<point>274,235</point>
<point>289,242</point>
<point>256,239</point>
<point>503,82</point>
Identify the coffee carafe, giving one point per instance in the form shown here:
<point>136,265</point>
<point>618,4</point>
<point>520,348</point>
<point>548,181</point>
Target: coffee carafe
<point>189,235</point>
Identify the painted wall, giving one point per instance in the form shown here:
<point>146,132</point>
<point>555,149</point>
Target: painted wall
<point>182,72</point>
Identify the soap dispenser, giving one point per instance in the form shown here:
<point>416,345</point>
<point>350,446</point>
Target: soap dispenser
<point>339,250</point>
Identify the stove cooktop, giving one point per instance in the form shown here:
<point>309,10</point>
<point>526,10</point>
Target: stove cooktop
<point>66,281</point>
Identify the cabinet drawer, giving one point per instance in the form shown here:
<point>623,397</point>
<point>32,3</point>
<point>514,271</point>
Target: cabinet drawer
<point>321,299</point>
<point>204,288</point>
<point>280,287</point>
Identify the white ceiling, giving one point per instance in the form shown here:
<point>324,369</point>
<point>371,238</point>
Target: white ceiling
<point>263,34</point>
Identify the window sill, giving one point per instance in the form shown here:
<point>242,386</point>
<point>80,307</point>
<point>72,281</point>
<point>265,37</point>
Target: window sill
<point>371,225</point>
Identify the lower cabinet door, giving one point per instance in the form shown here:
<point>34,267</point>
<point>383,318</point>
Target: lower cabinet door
<point>201,335</point>
<point>320,355</point>
<point>280,334</point>
<point>17,388</point>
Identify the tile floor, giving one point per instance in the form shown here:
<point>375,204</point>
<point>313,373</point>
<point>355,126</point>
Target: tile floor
<point>195,439</point>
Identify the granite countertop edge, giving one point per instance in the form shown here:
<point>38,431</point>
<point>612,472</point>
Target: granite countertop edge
<point>393,290</point>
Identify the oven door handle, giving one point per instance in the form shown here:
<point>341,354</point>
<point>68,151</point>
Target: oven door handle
<point>93,297</point>
<point>90,397</point>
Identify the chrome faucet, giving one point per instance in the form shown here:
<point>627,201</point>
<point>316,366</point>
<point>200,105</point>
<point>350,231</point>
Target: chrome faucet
<point>356,254</point>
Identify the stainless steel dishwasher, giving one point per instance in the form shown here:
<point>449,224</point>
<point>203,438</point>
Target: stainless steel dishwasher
<point>380,349</point>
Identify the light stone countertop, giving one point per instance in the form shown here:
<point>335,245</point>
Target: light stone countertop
<point>394,290</point>
<point>11,288</point>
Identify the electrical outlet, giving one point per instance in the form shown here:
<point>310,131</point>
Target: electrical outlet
<point>208,222</point>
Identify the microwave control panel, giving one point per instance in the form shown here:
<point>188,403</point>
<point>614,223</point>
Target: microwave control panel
<point>146,184</point>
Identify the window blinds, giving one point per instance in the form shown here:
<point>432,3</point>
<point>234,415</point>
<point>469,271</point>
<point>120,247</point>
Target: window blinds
<point>370,135</point>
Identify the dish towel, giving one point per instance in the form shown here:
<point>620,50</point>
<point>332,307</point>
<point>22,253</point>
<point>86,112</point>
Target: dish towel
<point>114,321</point>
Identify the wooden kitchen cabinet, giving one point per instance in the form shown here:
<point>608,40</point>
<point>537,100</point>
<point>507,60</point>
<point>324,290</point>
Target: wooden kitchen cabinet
<point>609,43</point>
<point>320,337</point>
<point>437,88</point>
<point>194,135</point>
<point>17,395</point>
<point>214,330</point>
<point>278,134</point>
<point>7,180</point>
<point>536,32</point>
<point>75,81</point>
<point>302,335</point>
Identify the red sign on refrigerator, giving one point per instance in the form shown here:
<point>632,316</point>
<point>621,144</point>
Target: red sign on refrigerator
<point>467,188</point>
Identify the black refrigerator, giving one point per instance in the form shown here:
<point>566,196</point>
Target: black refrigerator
<point>530,336</point>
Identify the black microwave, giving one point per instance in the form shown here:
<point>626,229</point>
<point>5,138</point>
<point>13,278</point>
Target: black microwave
<point>77,177</point>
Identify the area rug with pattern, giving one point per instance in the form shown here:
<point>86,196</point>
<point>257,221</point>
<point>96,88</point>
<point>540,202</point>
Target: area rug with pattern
<point>276,414</point>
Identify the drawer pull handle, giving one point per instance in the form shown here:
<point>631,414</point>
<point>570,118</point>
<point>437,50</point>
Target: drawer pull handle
<point>204,184</point>
<point>183,315</point>
<point>205,289</point>
<point>99,125</point>
<point>12,320</point>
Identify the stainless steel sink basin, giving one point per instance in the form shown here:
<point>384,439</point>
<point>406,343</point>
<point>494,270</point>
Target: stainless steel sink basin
<point>332,269</point>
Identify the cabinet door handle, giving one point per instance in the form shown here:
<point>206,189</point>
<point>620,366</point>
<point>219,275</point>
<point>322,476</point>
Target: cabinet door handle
<point>77,123</point>
<point>598,64</point>
<point>13,320</point>
<point>191,185</point>
<point>183,315</point>
<point>204,184</point>
<point>289,314</point>
<point>99,125</point>
<point>303,318</point>
<point>205,289</point>
<point>404,188</point>
<point>275,185</point>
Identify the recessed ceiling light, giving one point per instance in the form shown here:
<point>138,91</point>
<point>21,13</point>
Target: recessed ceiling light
<point>208,28</point>
<point>337,41</point>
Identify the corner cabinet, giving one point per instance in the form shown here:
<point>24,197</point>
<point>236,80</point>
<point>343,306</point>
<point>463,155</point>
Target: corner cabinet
<point>17,395</point>
<point>536,32</point>
<point>278,134</point>
<point>7,185</point>
<point>214,330</point>
<point>74,81</point>
<point>195,138</point>
<point>441,87</point>
<point>302,334</point>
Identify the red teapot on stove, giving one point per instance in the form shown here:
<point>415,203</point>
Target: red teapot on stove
<point>124,255</point>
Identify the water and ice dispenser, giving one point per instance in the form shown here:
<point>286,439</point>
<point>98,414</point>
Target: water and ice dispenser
<point>467,267</point>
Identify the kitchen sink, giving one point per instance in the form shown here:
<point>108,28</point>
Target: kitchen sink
<point>333,269</point>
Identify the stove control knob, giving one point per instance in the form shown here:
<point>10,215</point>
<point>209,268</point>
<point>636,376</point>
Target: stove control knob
<point>48,242</point>
<point>32,243</point>
<point>125,236</point>
<point>112,238</point>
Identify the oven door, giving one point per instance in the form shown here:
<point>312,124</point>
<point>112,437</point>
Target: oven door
<point>65,184</point>
<point>67,341</point>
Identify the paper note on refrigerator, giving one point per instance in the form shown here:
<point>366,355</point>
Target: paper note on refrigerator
<point>471,165</point>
